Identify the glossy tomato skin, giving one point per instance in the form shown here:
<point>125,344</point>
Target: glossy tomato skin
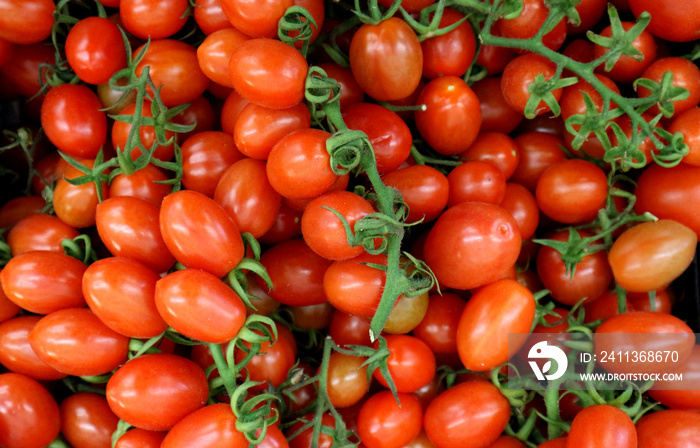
<point>476,181</point>
<point>130,227</point>
<point>347,379</point>
<point>669,428</point>
<point>156,391</point>
<point>528,23</point>
<point>247,196</point>
<point>424,189</point>
<point>522,205</point>
<point>147,135</point>
<point>376,51</point>
<point>592,277</point>
<point>438,329</point>
<point>95,50</point>
<point>685,74</point>
<point>490,315</point>
<point>602,425</point>
<point>17,355</point>
<point>452,118</point>
<point>210,16</point>
<point>38,231</point>
<point>451,53</point>
<point>115,284</point>
<point>382,423</point>
<point>87,421</point>
<point>538,151</point>
<point>205,157</point>
<point>141,438</point>
<point>21,70</point>
<point>268,72</point>
<point>29,410</point>
<point>256,19</point>
<point>676,24</point>
<point>215,51</point>
<point>354,287</point>
<point>153,18</point>
<point>273,361</point>
<point>76,205</point>
<point>72,120</point>
<point>142,184</point>
<point>627,69</point>
<point>26,22</point>
<point>411,363</point>
<point>519,74</point>
<point>472,244</point>
<point>652,254</point>
<point>60,338</point>
<point>670,193</point>
<point>477,413</point>
<point>297,273</point>
<point>496,113</point>
<point>687,396</point>
<point>200,306</point>
<point>259,128</point>
<point>42,282</point>
<point>218,246</point>
<point>211,426</point>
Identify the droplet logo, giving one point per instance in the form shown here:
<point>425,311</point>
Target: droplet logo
<point>543,351</point>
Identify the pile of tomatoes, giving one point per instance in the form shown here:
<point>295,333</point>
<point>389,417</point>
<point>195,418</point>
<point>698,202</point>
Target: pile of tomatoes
<point>298,223</point>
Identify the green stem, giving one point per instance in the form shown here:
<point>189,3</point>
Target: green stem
<point>222,366</point>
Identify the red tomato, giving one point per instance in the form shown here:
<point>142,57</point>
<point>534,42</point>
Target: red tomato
<point>247,196</point>
<point>384,423</point>
<point>297,273</point>
<point>677,24</point>
<point>95,50</point>
<point>529,22</point>
<point>602,425</point>
<point>350,90</point>
<point>112,285</point>
<point>59,339</point>
<point>670,193</point>
<point>21,70</point>
<point>438,329</point>
<point>322,229</point>
<point>174,68</point>
<point>29,410</point>
<point>590,12</point>
<point>538,151</point>
<point>592,277</point>
<point>156,391</point>
<point>604,307</point>
<point>147,135</point>
<point>522,205</point>
<point>651,255</point>
<point>130,228</point>
<point>476,411</point>
<point>667,429</point>
<point>496,113</point>
<point>72,120</point>
<point>143,184</point>
<point>452,53</point>
<point>199,113</point>
<point>304,438</point>
<point>685,74</point>
<point>452,118</point>
<point>8,309</point>
<point>348,329</point>
<point>386,59</point>
<point>141,438</point>
<point>14,210</point>
<point>347,380</point>
<point>268,72</point>
<point>627,69</point>
<point>17,355</point>
<point>519,74</point>
<point>205,157</point>
<point>215,51</point>
<point>685,394</point>
<point>153,19</point>
<point>26,21</point>
<point>76,205</point>
<point>200,306</point>
<point>39,232</point>
<point>496,310</point>
<point>298,166</point>
<point>572,191</point>
<point>411,363</point>
<point>472,244</point>
<point>287,225</point>
<point>389,135</point>
<point>211,426</point>
<point>496,148</point>
<point>273,361</point>
<point>424,189</point>
<point>256,19</point>
<point>685,124</point>
<point>87,421</point>
<point>259,128</point>
<point>43,282</point>
<point>476,181</point>
<point>354,287</point>
<point>218,247</point>
<point>232,107</point>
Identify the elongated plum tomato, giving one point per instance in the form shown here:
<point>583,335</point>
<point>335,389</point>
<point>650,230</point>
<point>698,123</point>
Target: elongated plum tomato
<point>472,244</point>
<point>209,427</point>
<point>668,429</point>
<point>496,310</point>
<point>155,391</point>
<point>268,72</point>
<point>388,422</point>
<point>200,306</point>
<point>602,425</point>
<point>477,413</point>
<point>59,339</point>
<point>215,51</point>
<point>87,421</point>
<point>200,233</point>
<point>651,255</point>
<point>386,59</point>
<point>17,355</point>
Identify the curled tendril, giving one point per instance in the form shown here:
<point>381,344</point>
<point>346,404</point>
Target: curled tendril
<point>320,89</point>
<point>253,414</point>
<point>347,149</point>
<point>297,25</point>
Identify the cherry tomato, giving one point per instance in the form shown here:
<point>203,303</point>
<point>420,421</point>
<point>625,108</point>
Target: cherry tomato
<point>496,113</point>
<point>406,314</point>
<point>602,425</point>
<point>95,50</point>
<point>21,70</point>
<point>424,189</point>
<point>528,23</point>
<point>348,329</point>
<point>130,228</point>
<point>522,205</point>
<point>26,22</point>
<point>538,151</point>
<point>155,391</point>
<point>141,438</point>
<point>29,410</point>
<point>604,307</point>
<point>350,90</point>
<point>354,287</point>
<point>256,19</point>
<point>76,205</point>
<point>215,51</point>
<point>519,74</point>
<point>384,423</point>
<point>468,415</point>
<point>205,157</point>
<point>286,226</point>
<point>42,282</point>
<point>210,426</point>
<point>218,246</point>
<point>452,53</point>
<point>14,210</point>
<point>87,421</point>
<point>685,74</point>
<point>452,118</point>
<point>496,148</point>
<point>259,128</point>
<point>17,355</point>
<point>669,428</point>
<point>684,394</point>
<point>627,69</point>
<point>145,184</point>
<point>39,232</point>
<point>153,19</point>
<point>476,181</point>
<point>112,285</point>
<point>590,12</point>
<point>268,72</point>
<point>677,24</point>
<point>472,244</point>
<point>386,59</point>
<point>147,135</point>
<point>411,363</point>
<point>347,379</point>
<point>438,329</point>
<point>273,361</point>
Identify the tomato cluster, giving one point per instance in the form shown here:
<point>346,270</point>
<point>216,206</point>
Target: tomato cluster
<point>296,223</point>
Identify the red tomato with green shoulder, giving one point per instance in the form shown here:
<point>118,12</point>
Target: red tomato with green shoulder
<point>602,425</point>
<point>386,59</point>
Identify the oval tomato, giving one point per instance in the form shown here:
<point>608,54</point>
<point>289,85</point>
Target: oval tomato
<point>215,51</point>
<point>211,426</point>
<point>95,50</point>
<point>347,380</point>
<point>667,429</point>
<point>17,355</point>
<point>259,128</point>
<point>602,425</point>
<point>424,189</point>
<point>205,157</point>
<point>411,363</point>
<point>87,421</point>
<point>153,19</point>
<point>38,231</point>
<point>26,22</point>
<point>384,423</point>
